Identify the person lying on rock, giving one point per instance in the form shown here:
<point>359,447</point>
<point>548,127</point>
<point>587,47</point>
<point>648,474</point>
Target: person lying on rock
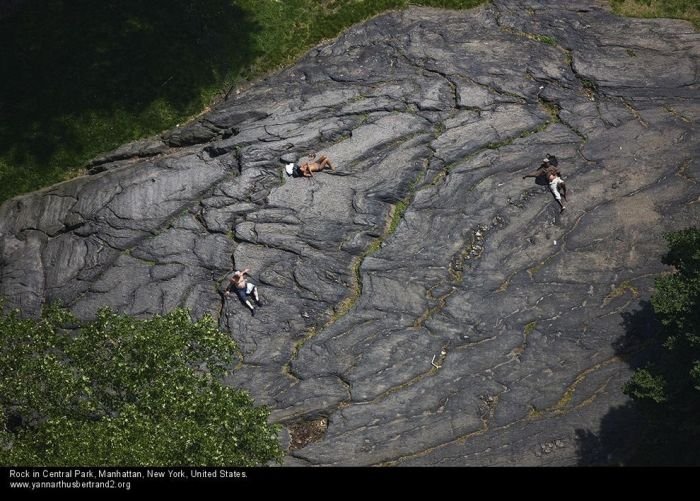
<point>549,166</point>
<point>308,168</point>
<point>243,288</point>
<point>549,173</point>
<point>558,189</point>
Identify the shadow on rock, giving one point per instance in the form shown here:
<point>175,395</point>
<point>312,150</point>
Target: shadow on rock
<point>642,433</point>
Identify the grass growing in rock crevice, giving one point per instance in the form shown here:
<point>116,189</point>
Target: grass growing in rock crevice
<point>537,37</point>
<point>394,217</point>
<point>396,213</point>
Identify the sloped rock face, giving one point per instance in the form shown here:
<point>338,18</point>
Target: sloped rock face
<point>480,330</point>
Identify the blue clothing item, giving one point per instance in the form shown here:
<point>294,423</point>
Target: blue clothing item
<point>242,293</point>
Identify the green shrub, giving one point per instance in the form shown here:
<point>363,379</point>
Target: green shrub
<point>644,385</point>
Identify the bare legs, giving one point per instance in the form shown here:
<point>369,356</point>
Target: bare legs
<point>323,161</point>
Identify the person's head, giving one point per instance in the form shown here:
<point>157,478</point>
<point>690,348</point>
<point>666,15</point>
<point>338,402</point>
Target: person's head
<point>546,161</point>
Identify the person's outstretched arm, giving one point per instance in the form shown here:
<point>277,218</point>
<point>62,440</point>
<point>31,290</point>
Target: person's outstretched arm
<point>536,173</point>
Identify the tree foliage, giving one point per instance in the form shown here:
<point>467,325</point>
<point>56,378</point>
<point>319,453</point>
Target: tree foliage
<point>124,391</point>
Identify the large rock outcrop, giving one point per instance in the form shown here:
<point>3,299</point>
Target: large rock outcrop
<point>482,328</point>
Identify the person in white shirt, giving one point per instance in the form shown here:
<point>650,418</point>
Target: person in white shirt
<point>558,189</point>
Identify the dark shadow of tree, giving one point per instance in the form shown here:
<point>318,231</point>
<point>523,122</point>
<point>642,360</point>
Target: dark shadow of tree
<point>642,433</point>
<point>61,58</point>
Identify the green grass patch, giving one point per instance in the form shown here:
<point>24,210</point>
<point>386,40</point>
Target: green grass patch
<point>569,57</point>
<point>552,110</point>
<point>621,289</point>
<point>590,87</point>
<point>529,328</point>
<point>528,132</point>
<point>499,144</point>
<point>545,39</point>
<point>678,9</point>
<point>534,413</point>
<point>81,78</point>
<point>589,84</point>
<point>566,398</point>
<point>396,216</point>
<point>531,36</point>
